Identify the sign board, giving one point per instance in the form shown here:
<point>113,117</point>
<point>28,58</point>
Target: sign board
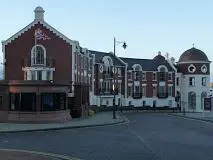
<point>207,104</point>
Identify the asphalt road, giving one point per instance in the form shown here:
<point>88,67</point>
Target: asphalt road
<point>146,137</point>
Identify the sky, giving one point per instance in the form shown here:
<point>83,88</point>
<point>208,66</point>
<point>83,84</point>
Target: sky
<point>147,26</point>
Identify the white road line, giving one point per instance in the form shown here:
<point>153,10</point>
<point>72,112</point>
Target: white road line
<point>191,119</point>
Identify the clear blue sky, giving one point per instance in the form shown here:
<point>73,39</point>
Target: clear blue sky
<point>148,26</point>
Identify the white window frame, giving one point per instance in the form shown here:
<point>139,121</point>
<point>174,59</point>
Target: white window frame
<point>191,81</point>
<point>203,81</point>
<point>170,91</point>
<point>34,56</point>
<point>144,91</point>
<point>129,73</point>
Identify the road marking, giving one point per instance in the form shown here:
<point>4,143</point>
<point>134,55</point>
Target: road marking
<point>146,144</point>
<point>189,118</point>
<point>62,157</point>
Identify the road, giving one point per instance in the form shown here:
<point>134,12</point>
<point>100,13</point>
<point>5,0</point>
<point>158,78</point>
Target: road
<point>146,137</point>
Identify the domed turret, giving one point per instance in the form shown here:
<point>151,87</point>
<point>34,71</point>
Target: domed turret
<point>193,54</point>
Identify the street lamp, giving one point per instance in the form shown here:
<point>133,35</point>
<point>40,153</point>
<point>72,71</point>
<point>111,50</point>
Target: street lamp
<point>114,86</point>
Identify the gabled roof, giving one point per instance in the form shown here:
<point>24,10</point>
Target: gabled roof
<point>69,41</point>
<point>99,56</point>
<point>147,64</point>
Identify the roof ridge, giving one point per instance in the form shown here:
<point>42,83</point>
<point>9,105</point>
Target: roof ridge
<point>136,58</point>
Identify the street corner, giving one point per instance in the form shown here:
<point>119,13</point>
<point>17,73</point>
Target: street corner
<point>13,154</point>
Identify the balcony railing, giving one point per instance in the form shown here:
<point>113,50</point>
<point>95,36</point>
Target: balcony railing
<point>107,74</point>
<point>107,92</point>
<point>162,95</point>
<point>50,62</point>
<point>137,95</point>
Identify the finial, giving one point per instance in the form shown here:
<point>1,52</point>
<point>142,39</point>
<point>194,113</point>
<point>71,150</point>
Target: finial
<point>167,55</point>
<point>159,53</point>
<point>39,13</point>
<point>193,45</point>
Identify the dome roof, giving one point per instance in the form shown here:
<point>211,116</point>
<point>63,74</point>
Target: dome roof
<point>38,9</point>
<point>159,57</point>
<point>193,54</point>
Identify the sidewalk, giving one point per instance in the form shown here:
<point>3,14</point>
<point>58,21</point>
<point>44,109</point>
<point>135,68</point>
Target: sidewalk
<point>206,116</point>
<point>10,154</point>
<point>100,119</point>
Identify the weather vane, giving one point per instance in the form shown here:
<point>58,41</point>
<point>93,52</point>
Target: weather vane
<point>193,45</point>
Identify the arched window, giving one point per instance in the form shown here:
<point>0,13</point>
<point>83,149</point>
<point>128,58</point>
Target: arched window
<point>162,72</point>
<point>192,100</point>
<point>137,71</point>
<point>38,55</point>
<point>107,63</point>
<point>203,95</point>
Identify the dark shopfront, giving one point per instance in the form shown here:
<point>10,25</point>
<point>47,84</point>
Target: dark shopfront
<point>34,101</point>
<point>29,102</point>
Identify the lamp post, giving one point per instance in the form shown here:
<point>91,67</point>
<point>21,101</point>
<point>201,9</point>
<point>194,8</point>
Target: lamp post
<point>114,86</point>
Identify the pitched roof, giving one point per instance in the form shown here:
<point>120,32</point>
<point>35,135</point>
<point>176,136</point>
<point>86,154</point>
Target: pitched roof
<point>147,64</point>
<point>69,41</point>
<point>99,56</point>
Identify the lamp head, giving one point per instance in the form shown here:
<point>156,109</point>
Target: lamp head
<point>124,45</point>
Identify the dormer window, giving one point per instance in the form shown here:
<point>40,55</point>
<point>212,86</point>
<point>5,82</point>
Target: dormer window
<point>38,55</point>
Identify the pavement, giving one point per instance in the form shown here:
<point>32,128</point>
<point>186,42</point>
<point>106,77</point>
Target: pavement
<point>206,116</point>
<point>11,154</point>
<point>147,136</point>
<point>100,119</point>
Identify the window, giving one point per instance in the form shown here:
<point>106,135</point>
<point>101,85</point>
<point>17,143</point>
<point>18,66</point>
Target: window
<point>137,75</point>
<point>49,75</point>
<point>129,91</point>
<point>154,76</point>
<point>204,68</point>
<point>76,60</point>
<point>162,91</point>
<point>39,75</point>
<point>137,91</point>
<point>119,72</point>
<point>203,81</point>
<point>169,76</point>
<point>82,61</point>
<point>129,75</point>
<point>154,91</point>
<point>191,81</point>
<point>177,81</point>
<point>170,91</point>
<point>144,91</point>
<point>162,74</point>
<point>191,68</point>
<point>76,78</point>
<point>38,55</point>
<point>144,76</point>
<point>33,75</point>
<point>192,100</point>
<point>91,64</point>
<point>203,95</point>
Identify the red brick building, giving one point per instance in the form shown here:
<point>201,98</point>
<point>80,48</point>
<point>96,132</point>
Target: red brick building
<point>38,80</point>
<point>138,82</point>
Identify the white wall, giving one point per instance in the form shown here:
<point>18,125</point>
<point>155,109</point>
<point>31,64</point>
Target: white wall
<point>149,101</point>
<point>198,89</point>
